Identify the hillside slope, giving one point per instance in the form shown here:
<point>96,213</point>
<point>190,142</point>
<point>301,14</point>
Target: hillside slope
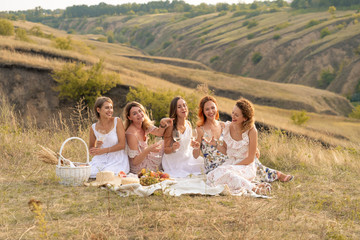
<point>291,46</point>
<point>25,77</point>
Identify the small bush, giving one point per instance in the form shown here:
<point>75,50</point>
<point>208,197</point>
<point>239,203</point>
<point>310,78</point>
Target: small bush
<point>357,50</point>
<point>256,57</point>
<point>276,37</point>
<point>158,102</point>
<point>21,34</point>
<point>324,32</point>
<point>299,117</point>
<point>63,43</point>
<point>6,28</point>
<point>355,112</point>
<point>252,23</point>
<point>36,31</point>
<point>214,58</point>
<point>166,44</point>
<point>250,36</point>
<point>71,31</point>
<point>281,26</point>
<point>312,23</point>
<point>326,77</point>
<point>77,83</point>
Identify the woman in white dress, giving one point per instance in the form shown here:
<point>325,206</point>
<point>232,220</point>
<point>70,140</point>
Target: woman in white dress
<point>240,144</point>
<point>138,126</point>
<point>107,140</point>
<point>178,160</point>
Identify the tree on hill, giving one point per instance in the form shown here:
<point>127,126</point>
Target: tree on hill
<point>6,27</point>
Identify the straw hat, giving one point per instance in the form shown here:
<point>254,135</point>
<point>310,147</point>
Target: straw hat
<point>107,177</point>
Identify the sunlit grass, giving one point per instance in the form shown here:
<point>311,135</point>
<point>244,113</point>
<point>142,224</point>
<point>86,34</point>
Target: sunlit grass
<point>322,201</point>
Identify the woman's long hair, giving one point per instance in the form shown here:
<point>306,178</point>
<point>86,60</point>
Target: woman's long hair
<point>201,115</point>
<point>173,110</point>
<point>248,112</point>
<point>146,123</point>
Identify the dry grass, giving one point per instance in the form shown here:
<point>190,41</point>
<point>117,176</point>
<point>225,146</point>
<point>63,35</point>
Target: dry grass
<point>321,203</point>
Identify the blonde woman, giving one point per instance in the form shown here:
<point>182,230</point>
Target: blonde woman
<point>138,126</point>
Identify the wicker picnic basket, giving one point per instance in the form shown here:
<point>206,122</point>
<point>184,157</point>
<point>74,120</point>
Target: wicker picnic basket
<point>76,175</point>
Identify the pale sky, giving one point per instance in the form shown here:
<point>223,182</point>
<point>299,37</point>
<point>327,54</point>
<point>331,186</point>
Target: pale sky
<point>14,5</point>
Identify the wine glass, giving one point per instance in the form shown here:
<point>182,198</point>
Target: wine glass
<point>194,134</point>
<point>208,135</point>
<point>100,137</point>
<point>176,135</point>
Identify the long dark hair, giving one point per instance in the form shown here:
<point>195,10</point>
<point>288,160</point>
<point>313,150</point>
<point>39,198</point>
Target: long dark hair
<point>173,109</point>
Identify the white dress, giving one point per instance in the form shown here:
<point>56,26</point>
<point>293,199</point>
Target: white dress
<point>113,161</point>
<point>182,163</point>
<point>238,177</point>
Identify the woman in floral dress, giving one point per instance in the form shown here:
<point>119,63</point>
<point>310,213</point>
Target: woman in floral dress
<point>208,124</point>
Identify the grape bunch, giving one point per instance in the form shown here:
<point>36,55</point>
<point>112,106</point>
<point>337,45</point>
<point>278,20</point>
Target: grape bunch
<point>148,177</point>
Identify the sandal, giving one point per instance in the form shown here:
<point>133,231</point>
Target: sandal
<point>284,178</point>
<point>262,189</point>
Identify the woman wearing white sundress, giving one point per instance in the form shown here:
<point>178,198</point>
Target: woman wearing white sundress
<point>240,143</point>
<point>107,140</point>
<point>178,160</point>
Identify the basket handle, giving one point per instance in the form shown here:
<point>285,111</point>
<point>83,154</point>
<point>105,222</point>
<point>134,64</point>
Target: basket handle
<point>62,146</point>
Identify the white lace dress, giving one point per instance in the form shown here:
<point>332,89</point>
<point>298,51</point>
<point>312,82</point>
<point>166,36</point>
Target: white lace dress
<point>151,162</point>
<point>238,177</point>
<point>181,163</point>
<point>113,161</point>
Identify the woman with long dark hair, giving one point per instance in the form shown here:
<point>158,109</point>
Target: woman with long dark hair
<point>178,160</point>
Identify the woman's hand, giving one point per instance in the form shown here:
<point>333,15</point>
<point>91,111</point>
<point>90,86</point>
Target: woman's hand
<point>97,151</point>
<point>195,144</point>
<point>166,122</point>
<point>175,146</point>
<point>156,147</point>
<point>257,153</point>
<point>212,142</point>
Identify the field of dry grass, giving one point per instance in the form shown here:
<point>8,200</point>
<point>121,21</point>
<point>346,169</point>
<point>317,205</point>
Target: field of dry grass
<point>321,203</point>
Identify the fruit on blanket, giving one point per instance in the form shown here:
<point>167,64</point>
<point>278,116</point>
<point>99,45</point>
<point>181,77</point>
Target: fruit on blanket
<point>148,177</point>
<point>164,175</point>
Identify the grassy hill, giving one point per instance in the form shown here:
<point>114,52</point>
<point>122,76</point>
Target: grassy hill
<point>293,47</point>
<point>321,203</point>
<point>26,77</point>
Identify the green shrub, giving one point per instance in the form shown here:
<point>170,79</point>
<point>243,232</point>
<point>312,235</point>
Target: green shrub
<point>326,77</point>
<point>276,37</point>
<point>252,23</point>
<point>6,28</point>
<point>256,57</point>
<point>312,23</point>
<point>299,117</point>
<point>355,112</point>
<point>71,31</point>
<point>36,30</point>
<point>250,36</point>
<point>21,34</point>
<point>63,43</point>
<point>166,44</point>
<point>324,32</point>
<point>281,26</point>
<point>214,58</point>
<point>78,83</point>
<point>357,50</point>
<point>158,103</point>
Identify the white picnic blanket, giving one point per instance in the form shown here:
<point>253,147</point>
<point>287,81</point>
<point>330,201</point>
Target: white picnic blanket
<point>176,187</point>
